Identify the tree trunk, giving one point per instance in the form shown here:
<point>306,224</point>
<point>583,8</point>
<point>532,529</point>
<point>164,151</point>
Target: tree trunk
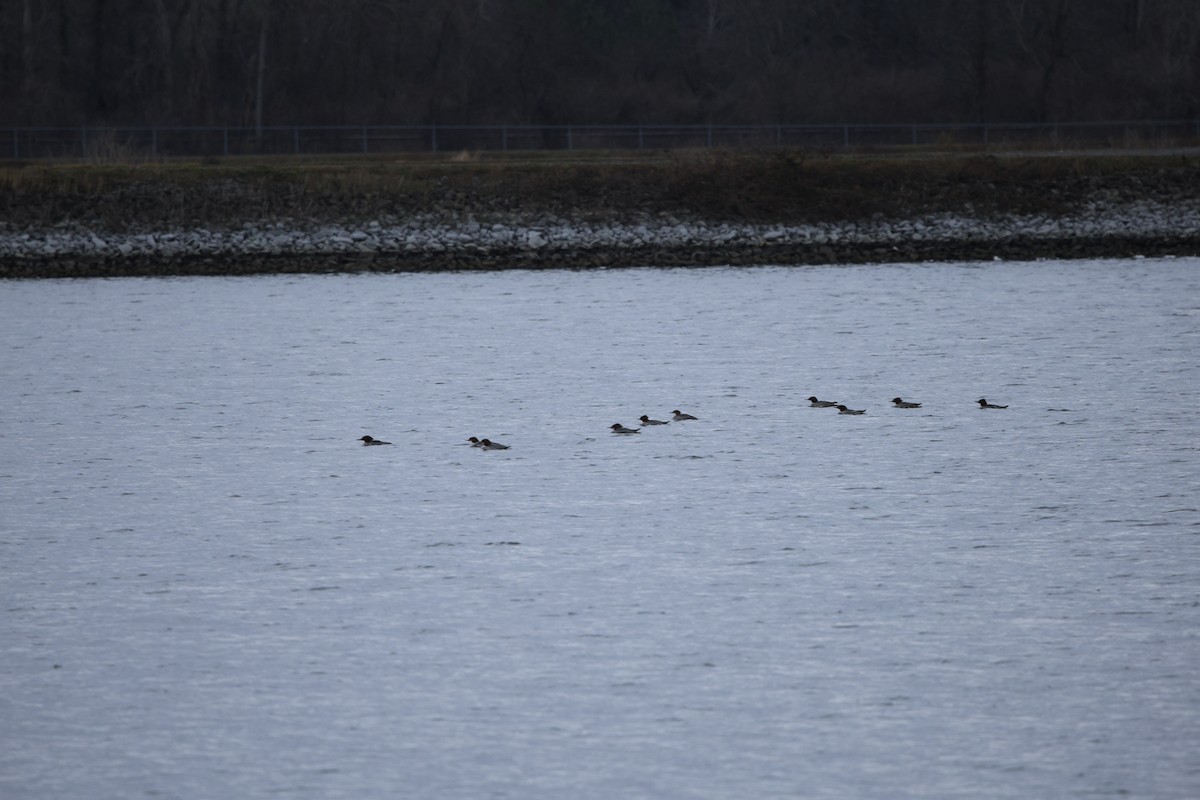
<point>1134,13</point>
<point>260,78</point>
<point>981,61</point>
<point>97,108</point>
<point>27,48</point>
<point>1057,50</point>
<point>712,13</point>
<point>168,57</point>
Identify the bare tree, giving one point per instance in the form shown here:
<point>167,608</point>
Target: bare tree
<point>1040,28</point>
<point>557,61</point>
<point>1177,51</point>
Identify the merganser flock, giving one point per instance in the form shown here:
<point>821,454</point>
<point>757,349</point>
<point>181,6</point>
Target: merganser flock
<point>679,416</point>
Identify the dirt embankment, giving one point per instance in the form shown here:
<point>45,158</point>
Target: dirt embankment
<point>697,209</point>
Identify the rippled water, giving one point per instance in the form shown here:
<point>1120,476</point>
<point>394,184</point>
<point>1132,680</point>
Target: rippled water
<point>210,588</point>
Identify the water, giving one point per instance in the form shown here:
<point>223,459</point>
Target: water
<point>209,587</point>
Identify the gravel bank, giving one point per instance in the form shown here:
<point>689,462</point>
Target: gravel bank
<point>435,242</point>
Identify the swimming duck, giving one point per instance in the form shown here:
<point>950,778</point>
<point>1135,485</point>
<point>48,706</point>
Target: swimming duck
<point>488,444</point>
<point>985,404</point>
<point>815,403</point>
<point>619,428</point>
<point>367,440</point>
<point>844,410</point>
<point>474,440</point>
<point>902,404</point>
<point>647,421</point>
<point>680,416</point>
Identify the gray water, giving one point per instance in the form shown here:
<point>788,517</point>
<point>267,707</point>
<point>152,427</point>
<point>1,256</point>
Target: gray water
<point>210,588</point>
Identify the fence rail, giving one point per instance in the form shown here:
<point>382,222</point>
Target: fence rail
<point>166,142</point>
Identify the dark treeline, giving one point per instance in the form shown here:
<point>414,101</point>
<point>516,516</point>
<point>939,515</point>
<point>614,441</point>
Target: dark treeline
<point>247,62</point>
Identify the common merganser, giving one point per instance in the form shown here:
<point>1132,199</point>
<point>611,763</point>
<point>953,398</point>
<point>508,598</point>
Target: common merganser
<point>680,416</point>
<point>647,421</point>
<point>474,441</point>
<point>985,404</point>
<point>367,440</point>
<point>844,410</point>
<point>901,404</point>
<point>619,428</point>
<point>488,444</point>
<point>815,403</point>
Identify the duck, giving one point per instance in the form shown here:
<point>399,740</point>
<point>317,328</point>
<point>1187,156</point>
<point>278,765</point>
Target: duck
<point>985,404</point>
<point>367,440</point>
<point>844,410</point>
<point>680,416</point>
<point>647,421</point>
<point>488,444</point>
<point>902,404</point>
<point>619,428</point>
<point>474,440</point>
<point>815,403</point>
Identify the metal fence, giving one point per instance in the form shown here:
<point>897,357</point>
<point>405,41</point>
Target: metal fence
<point>118,143</point>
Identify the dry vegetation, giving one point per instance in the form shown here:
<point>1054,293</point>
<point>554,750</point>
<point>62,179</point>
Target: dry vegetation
<point>785,186</point>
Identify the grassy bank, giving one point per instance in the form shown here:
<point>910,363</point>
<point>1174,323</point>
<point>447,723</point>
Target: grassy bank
<point>769,186</point>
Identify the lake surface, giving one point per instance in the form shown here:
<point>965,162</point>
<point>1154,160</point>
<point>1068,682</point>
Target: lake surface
<point>210,588</point>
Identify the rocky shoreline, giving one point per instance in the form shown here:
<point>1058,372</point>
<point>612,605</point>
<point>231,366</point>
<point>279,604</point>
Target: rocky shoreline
<point>437,243</point>
<point>426,233</point>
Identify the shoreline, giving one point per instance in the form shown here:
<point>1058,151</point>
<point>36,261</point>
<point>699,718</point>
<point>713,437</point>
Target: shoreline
<point>763,209</point>
<point>727,255</point>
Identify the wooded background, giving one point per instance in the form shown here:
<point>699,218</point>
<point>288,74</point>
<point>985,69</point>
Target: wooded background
<point>368,62</point>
